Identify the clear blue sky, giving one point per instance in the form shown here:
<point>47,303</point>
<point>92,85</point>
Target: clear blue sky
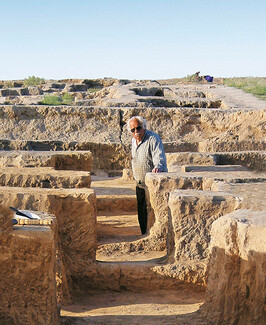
<point>133,39</point>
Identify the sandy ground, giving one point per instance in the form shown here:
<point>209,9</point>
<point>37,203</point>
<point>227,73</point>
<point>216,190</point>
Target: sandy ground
<point>153,307</point>
<point>112,186</point>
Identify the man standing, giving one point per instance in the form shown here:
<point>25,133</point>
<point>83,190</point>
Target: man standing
<point>147,156</point>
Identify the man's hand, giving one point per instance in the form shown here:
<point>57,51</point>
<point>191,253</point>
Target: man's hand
<point>156,170</point>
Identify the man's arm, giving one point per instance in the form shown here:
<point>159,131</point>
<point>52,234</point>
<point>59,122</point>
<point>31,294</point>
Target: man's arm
<point>158,155</point>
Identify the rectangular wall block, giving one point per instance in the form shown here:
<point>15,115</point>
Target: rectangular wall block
<point>191,214</point>
<point>159,187</point>
<point>28,276</point>
<point>177,159</point>
<point>75,211</point>
<point>237,267</point>
<point>45,177</point>
<point>59,160</point>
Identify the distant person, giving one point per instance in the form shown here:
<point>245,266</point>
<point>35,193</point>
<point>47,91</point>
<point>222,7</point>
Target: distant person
<point>147,156</point>
<point>208,78</point>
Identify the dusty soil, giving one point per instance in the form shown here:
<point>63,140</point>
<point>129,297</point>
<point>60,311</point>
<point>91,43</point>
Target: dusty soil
<point>104,185</point>
<point>154,307</point>
<point>117,227</point>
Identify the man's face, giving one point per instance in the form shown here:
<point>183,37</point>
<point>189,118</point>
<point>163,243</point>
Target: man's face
<point>137,134</point>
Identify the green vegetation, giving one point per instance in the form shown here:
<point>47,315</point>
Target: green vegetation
<point>93,90</point>
<point>33,81</point>
<point>65,99</point>
<point>255,86</point>
<point>52,100</point>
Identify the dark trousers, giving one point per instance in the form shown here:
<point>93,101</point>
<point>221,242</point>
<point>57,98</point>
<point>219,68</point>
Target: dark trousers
<point>142,209</point>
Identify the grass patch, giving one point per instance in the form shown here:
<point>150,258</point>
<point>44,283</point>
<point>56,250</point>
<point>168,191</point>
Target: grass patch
<point>52,100</point>
<point>93,90</point>
<point>65,99</point>
<point>33,81</point>
<point>252,85</point>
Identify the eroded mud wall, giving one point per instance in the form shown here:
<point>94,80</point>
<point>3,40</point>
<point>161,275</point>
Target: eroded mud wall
<point>28,276</point>
<point>237,268</point>
<point>108,125</point>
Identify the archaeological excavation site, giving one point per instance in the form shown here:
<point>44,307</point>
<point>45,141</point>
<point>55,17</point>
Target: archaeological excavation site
<point>73,252</point>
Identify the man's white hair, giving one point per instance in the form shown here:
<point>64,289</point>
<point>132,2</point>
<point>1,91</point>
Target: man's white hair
<point>141,120</point>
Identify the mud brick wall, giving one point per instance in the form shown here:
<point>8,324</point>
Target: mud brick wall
<point>45,177</point>
<point>255,160</point>
<point>75,211</point>
<point>159,187</point>
<point>107,156</point>
<point>5,219</point>
<point>237,267</point>
<point>103,130</point>
<point>62,160</point>
<point>177,159</point>
<point>28,276</point>
<point>191,214</point>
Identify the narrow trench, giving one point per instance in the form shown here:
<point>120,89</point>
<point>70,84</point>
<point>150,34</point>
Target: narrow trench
<point>117,222</point>
<point>116,217</point>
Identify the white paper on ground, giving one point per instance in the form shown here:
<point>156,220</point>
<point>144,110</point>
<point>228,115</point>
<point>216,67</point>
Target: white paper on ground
<point>28,213</point>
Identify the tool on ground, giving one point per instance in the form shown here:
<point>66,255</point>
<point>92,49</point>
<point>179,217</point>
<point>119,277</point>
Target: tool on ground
<point>19,213</point>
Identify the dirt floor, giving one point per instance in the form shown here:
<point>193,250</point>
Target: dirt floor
<point>112,186</point>
<point>153,307</point>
